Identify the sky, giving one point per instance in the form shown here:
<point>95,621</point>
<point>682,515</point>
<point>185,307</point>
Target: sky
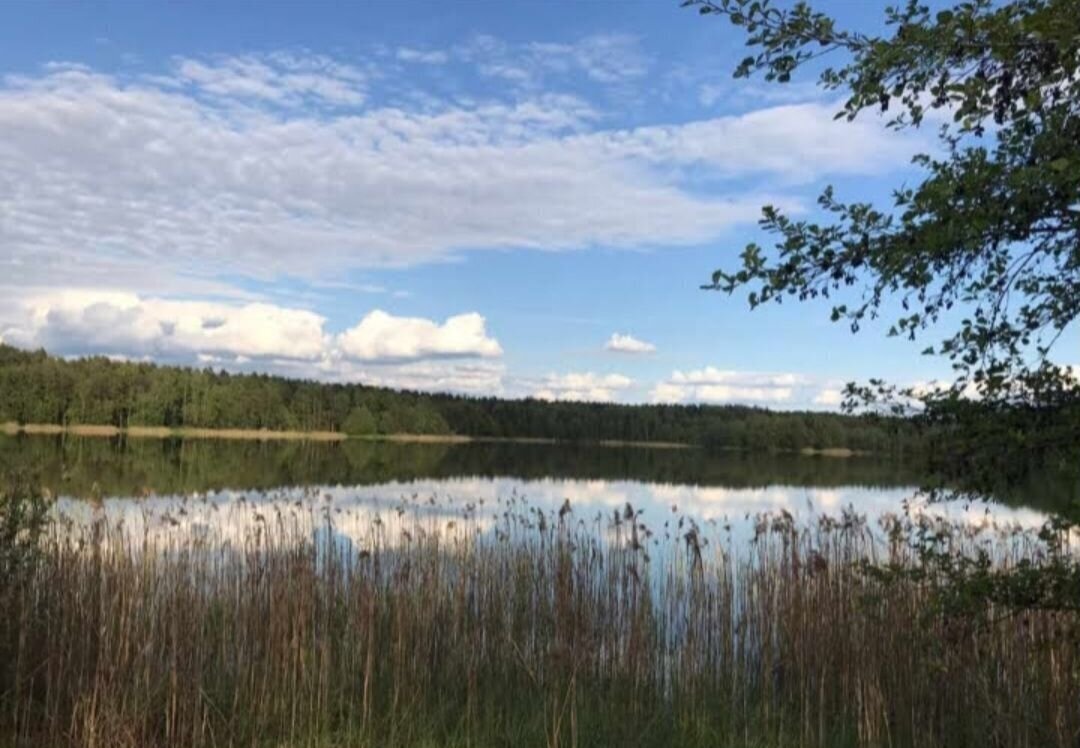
<point>513,199</point>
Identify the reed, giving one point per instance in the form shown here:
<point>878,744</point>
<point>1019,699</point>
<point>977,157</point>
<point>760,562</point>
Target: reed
<point>524,626</point>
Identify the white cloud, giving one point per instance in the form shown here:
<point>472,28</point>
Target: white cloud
<point>455,355</point>
<point>582,386</point>
<point>829,398</point>
<point>81,322</point>
<point>710,93</point>
<point>506,71</point>
<point>426,56</point>
<point>604,58</point>
<point>475,377</point>
<point>925,388</point>
<point>712,385</point>
<point>383,337</point>
<point>109,182</point>
<point>744,93</point>
<point>402,352</point>
<point>786,390</point>
<point>609,60</point>
<point>280,78</point>
<point>665,392</point>
<point>711,375</point>
<point>628,344</point>
<point>793,142</point>
<point>269,166</point>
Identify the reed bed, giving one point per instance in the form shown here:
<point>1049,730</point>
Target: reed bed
<point>523,626</point>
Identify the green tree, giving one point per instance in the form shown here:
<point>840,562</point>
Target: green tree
<point>992,232</point>
<point>38,388</point>
<point>993,229</point>
<point>360,422</point>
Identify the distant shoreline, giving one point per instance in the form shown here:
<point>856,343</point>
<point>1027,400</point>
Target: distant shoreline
<point>164,432</point>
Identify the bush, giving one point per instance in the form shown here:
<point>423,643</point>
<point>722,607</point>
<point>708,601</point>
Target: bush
<point>23,515</point>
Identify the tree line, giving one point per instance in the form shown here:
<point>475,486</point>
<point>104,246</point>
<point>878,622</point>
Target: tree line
<point>36,387</point>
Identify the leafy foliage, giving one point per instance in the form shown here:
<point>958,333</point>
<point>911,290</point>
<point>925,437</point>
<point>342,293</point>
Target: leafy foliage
<point>992,233</point>
<point>360,422</point>
<point>23,514</point>
<point>974,585</point>
<point>993,229</point>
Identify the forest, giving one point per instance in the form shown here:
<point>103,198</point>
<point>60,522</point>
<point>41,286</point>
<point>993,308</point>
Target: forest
<point>36,387</point>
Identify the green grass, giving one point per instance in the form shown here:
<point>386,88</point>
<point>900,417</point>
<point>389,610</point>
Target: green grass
<point>532,629</point>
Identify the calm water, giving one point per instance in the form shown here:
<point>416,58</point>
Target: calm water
<point>174,487</point>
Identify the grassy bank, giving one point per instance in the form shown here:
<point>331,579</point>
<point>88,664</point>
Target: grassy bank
<point>832,452</point>
<point>429,626</point>
<point>160,432</point>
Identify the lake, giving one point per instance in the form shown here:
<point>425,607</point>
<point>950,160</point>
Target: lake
<point>371,593</point>
<point>225,489</point>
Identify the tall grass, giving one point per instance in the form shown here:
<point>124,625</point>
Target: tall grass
<point>529,627</point>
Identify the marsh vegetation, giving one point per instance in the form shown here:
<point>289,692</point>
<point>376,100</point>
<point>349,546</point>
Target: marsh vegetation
<point>435,623</point>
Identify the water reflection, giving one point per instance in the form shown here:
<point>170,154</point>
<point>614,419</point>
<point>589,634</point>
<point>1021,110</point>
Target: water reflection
<point>456,509</point>
<point>88,467</point>
<point>171,490</point>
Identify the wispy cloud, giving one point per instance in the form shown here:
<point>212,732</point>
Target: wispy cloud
<point>137,213</point>
<point>425,56</point>
<point>281,78</point>
<point>105,178</point>
<point>609,59</point>
<point>605,58</point>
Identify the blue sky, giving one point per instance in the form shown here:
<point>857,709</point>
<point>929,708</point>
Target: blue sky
<point>493,198</point>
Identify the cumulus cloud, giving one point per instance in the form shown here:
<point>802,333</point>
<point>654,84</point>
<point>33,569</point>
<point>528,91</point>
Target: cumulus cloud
<point>712,385</point>
<point>382,349</point>
<point>84,322</point>
<point>212,170</point>
<point>628,344</point>
<point>383,337</point>
<point>582,386</point>
<point>829,398</point>
<point>785,390</point>
<point>473,377</point>
<point>457,354</point>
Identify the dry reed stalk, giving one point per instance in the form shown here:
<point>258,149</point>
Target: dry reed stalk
<point>541,628</point>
